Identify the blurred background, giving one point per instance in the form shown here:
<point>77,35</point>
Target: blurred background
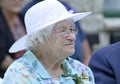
<point>102,27</point>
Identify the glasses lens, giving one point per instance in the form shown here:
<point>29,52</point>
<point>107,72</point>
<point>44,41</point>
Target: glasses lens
<point>74,31</point>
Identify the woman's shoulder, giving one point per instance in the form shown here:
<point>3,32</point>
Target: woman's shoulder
<point>75,62</point>
<point>77,67</point>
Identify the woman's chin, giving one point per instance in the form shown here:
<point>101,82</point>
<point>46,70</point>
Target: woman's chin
<point>71,52</point>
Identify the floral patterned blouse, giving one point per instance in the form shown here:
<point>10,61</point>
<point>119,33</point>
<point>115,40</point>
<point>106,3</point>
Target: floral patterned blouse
<point>28,70</point>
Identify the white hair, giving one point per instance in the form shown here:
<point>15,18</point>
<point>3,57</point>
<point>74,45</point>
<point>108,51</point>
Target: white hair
<point>38,37</point>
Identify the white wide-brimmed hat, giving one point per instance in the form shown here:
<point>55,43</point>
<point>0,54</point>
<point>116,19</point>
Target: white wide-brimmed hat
<point>41,15</point>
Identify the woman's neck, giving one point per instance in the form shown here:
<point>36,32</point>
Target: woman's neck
<point>49,60</point>
<point>51,63</point>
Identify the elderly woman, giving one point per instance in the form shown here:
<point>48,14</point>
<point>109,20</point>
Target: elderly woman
<point>11,29</point>
<point>50,40</point>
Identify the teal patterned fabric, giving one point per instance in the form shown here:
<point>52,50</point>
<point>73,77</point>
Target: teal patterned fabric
<point>28,70</point>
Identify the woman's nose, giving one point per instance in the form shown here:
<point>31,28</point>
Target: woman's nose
<point>71,36</point>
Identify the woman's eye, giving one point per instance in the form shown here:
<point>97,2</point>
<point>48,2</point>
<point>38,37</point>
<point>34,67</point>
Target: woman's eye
<point>72,29</point>
<point>63,30</point>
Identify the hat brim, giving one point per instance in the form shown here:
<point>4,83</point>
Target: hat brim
<point>21,43</point>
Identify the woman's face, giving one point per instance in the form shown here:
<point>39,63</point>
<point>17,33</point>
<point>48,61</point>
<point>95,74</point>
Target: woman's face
<point>63,38</point>
<point>12,5</point>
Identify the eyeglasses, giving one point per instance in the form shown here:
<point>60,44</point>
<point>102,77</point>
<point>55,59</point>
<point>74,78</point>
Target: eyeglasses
<point>65,32</point>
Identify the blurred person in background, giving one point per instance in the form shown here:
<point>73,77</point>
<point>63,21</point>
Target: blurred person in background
<point>82,48</point>
<point>105,64</point>
<point>11,29</point>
